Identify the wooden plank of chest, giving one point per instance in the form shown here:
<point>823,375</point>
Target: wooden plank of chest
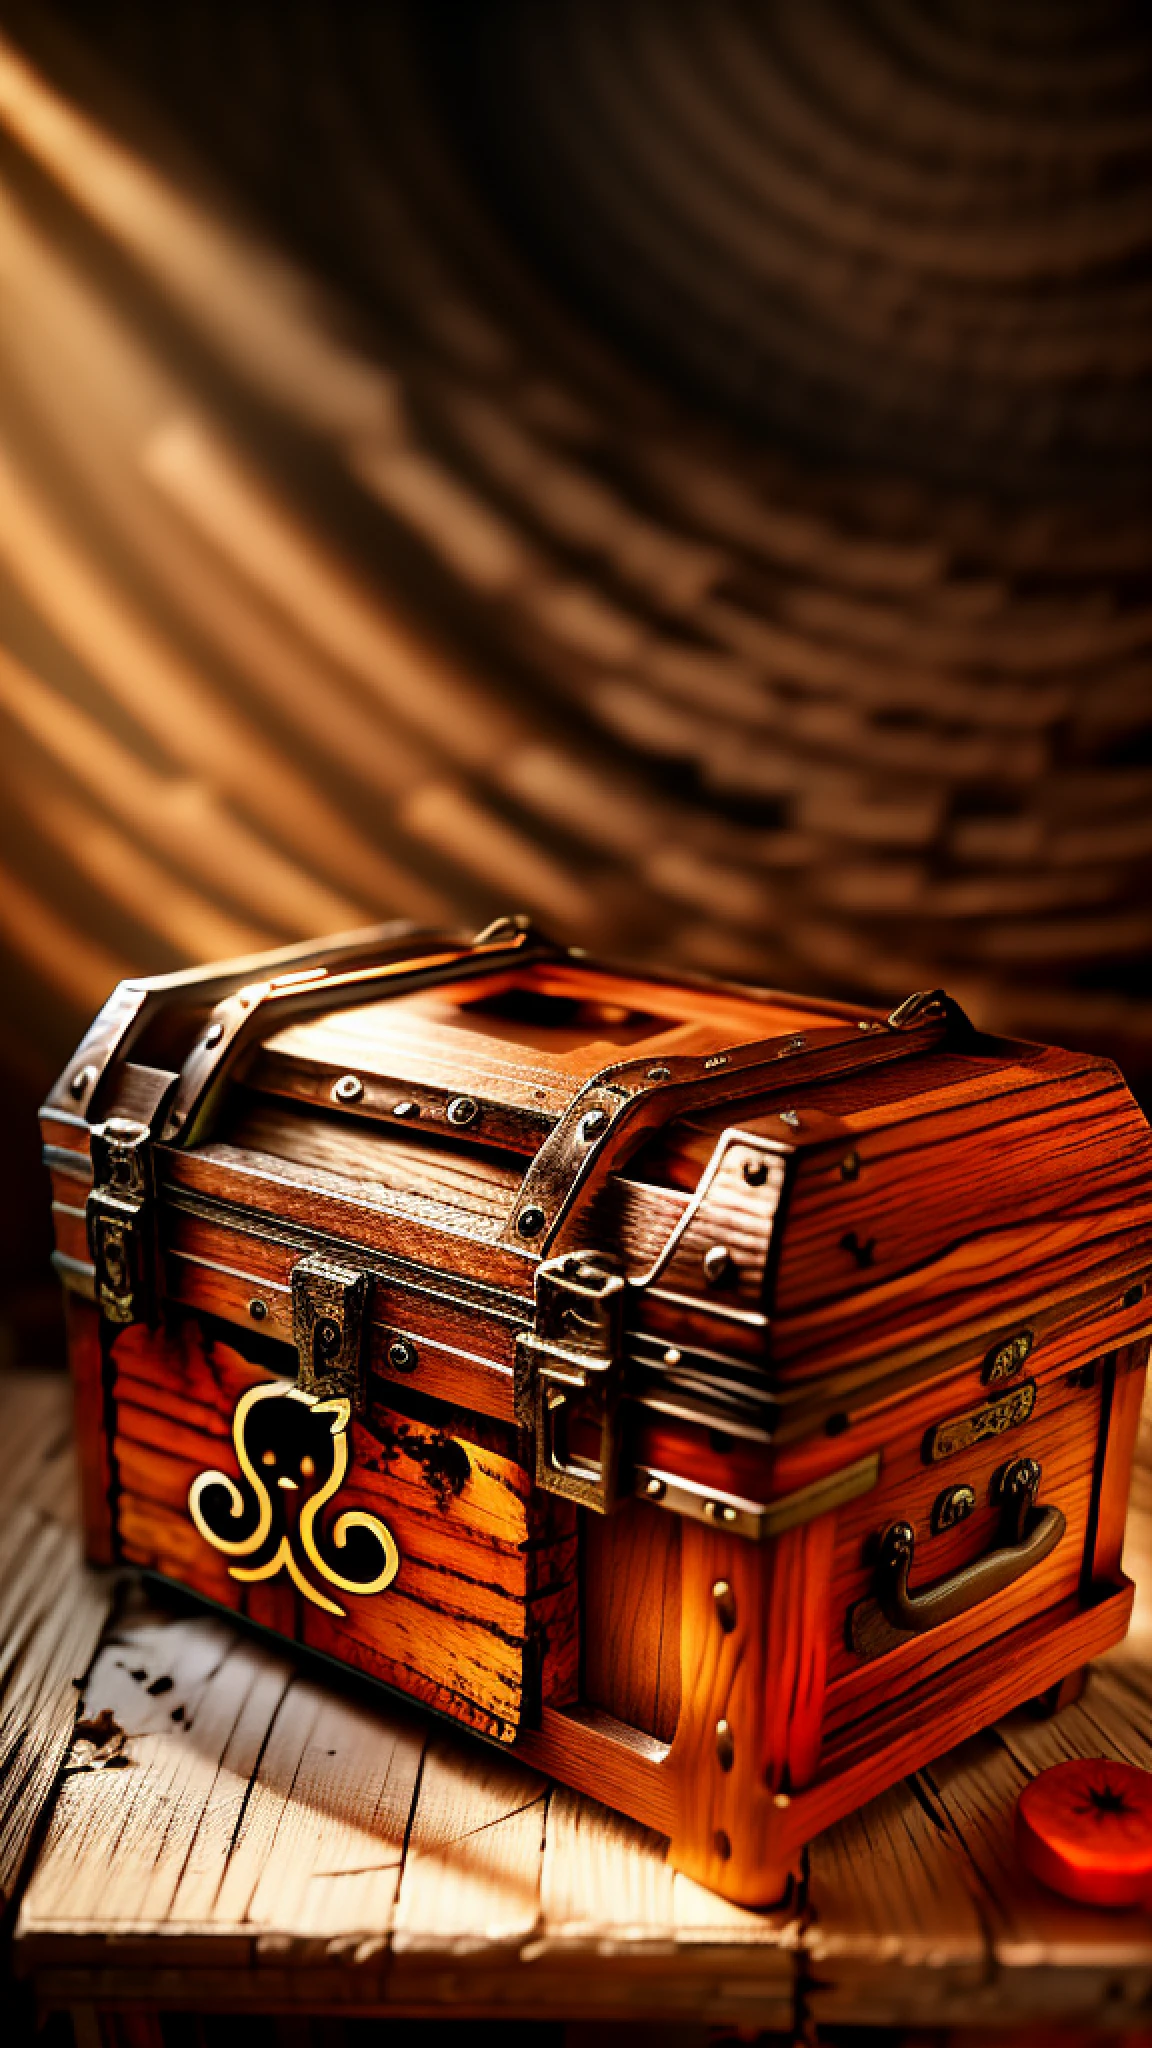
<point>476,1550</point>
<point>240,1269</point>
<point>405,1040</point>
<point>1046,1176</point>
<point>474,1181</point>
<point>631,1585</point>
<point>400,1224</point>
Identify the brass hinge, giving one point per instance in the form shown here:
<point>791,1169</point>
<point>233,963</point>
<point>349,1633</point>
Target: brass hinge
<point>569,1369</point>
<point>328,1315</point>
<point>118,1214</point>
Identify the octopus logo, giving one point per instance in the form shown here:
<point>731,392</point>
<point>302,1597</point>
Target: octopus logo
<point>293,1453</point>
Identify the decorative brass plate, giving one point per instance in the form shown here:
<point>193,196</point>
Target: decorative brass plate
<point>960,1432</point>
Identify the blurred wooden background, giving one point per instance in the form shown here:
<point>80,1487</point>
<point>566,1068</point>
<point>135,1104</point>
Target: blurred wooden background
<point>680,467</point>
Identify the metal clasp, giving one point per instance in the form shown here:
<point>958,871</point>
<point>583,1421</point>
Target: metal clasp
<point>328,1314</point>
<point>569,1371</point>
<point>118,1218</point>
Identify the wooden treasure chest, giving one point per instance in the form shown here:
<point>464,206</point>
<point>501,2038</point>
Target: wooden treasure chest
<point>726,1399</point>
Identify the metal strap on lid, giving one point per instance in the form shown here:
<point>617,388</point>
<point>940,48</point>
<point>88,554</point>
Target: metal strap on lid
<point>619,1105</point>
<point>133,1005</point>
<point>249,1014</point>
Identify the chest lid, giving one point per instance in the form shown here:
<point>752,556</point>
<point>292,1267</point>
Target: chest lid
<point>480,1094</point>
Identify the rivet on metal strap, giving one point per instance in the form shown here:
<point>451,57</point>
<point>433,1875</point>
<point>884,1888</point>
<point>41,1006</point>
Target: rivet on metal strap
<point>717,1265</point>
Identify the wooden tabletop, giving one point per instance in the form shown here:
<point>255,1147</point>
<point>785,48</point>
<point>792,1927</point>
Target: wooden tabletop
<point>205,1822</point>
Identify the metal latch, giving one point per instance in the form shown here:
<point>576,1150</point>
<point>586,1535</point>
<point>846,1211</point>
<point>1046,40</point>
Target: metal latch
<point>118,1218</point>
<point>569,1370</point>
<point>328,1313</point>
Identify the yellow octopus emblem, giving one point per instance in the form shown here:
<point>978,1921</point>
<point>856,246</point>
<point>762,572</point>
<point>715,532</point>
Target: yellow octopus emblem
<point>293,1453</point>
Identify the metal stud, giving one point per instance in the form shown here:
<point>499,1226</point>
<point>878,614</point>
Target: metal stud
<point>755,1171</point>
<point>81,1082</point>
<point>349,1088</point>
<point>719,1511</point>
<point>654,1488</point>
<point>659,1073</point>
<point>405,1109</point>
<point>462,1110</point>
<point>790,1116</point>
<point>258,1310</point>
<point>725,1600</point>
<point>212,1036</point>
<point>952,1506</point>
<point>592,1124</point>
<point>530,1222</point>
<point>725,1745</point>
<point>671,1356</point>
<point>717,1264</point>
<point>850,1166</point>
<point>402,1355</point>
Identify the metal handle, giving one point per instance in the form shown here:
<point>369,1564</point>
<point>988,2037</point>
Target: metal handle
<point>1028,1534</point>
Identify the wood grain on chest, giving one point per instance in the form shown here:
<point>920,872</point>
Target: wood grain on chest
<point>484,1567</point>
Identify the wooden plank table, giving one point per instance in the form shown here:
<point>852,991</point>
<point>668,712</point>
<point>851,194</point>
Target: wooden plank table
<point>202,1822</point>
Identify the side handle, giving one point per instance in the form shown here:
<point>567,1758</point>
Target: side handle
<point>1028,1534</point>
